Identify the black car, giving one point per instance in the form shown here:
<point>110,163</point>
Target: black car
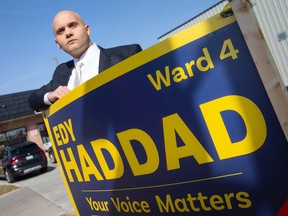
<point>21,159</point>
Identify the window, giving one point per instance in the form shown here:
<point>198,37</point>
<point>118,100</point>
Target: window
<point>16,136</point>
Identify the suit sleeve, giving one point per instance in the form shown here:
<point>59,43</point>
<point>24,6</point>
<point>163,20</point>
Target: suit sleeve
<point>60,77</point>
<point>36,99</point>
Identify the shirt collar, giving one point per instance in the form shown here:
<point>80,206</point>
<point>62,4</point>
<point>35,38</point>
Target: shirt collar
<point>88,55</point>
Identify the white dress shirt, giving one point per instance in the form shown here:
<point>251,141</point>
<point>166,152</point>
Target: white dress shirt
<point>87,66</point>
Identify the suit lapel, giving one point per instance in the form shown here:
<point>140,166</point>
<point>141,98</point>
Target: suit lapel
<point>105,60</point>
<point>62,75</point>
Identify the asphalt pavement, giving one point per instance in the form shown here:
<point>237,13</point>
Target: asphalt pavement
<point>38,194</point>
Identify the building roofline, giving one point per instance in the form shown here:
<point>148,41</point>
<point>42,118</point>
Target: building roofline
<point>191,19</point>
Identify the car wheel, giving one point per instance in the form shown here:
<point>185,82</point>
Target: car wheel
<point>52,157</point>
<point>9,177</point>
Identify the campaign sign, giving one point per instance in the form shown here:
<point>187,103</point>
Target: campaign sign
<point>182,128</point>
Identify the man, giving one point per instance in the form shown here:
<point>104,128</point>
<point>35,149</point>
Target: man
<point>73,36</point>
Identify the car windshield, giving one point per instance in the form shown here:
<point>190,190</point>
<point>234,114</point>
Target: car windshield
<point>24,149</point>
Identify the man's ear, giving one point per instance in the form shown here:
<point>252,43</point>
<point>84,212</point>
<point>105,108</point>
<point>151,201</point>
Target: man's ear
<point>87,27</point>
<point>57,44</point>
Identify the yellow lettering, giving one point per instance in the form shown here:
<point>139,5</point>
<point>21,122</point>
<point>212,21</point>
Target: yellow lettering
<point>69,127</point>
<point>181,205</point>
<point>160,78</point>
<point>174,124</point>
<point>178,74</point>
<point>101,145</point>
<point>256,130</point>
<point>87,165</point>
<point>57,136</point>
<point>70,165</point>
<point>149,147</point>
<point>189,68</point>
<point>243,198</point>
<point>165,207</point>
<point>207,59</point>
<point>215,200</point>
<point>228,198</point>
<point>63,133</point>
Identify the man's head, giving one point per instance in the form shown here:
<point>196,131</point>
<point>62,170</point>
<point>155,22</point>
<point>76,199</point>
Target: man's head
<point>71,34</point>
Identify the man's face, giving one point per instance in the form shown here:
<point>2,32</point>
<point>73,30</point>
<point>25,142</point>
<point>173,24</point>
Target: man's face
<point>71,34</point>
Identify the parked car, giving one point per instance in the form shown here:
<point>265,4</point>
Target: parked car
<point>48,148</point>
<point>51,155</point>
<point>21,159</point>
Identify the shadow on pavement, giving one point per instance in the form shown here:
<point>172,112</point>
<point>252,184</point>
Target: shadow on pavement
<point>33,174</point>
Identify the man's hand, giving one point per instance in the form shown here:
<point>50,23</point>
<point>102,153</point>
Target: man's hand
<point>58,93</point>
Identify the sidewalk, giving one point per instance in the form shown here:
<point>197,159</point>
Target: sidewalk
<point>26,202</point>
<point>39,195</point>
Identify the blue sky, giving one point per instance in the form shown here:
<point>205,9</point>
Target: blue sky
<point>28,50</point>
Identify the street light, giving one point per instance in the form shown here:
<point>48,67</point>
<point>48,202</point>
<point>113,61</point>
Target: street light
<point>56,60</point>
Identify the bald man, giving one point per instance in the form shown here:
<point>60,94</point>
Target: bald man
<point>72,35</point>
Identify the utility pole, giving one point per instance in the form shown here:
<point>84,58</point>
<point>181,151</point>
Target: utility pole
<point>56,60</point>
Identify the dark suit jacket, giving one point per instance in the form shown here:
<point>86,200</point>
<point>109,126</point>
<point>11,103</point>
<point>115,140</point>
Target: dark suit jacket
<point>108,58</point>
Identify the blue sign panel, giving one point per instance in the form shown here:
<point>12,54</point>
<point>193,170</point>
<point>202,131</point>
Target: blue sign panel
<point>189,132</point>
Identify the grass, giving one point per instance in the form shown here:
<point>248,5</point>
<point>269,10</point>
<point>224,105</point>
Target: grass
<point>7,188</point>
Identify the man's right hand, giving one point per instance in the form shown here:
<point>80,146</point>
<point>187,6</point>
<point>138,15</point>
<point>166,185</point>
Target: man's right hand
<point>58,93</point>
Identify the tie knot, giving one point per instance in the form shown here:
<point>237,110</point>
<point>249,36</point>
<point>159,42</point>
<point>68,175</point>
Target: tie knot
<point>80,64</point>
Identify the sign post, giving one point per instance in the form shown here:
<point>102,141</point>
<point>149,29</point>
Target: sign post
<point>184,127</point>
<point>263,60</point>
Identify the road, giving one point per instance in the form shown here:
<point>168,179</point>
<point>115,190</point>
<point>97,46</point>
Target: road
<point>48,185</point>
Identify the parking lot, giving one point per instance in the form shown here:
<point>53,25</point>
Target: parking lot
<point>47,189</point>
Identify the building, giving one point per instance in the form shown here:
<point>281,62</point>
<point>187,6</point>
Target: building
<point>18,122</point>
<point>272,17</point>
